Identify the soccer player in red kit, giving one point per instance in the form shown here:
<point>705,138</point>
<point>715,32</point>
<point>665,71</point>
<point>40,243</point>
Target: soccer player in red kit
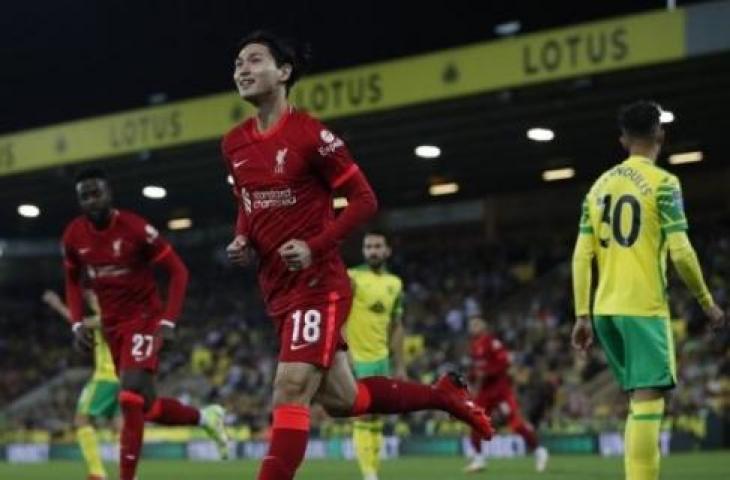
<point>115,252</point>
<point>286,167</point>
<point>489,374</point>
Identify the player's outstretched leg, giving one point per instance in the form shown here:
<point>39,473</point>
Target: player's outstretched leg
<point>455,399</point>
<point>449,393</point>
<point>342,396</point>
<point>170,411</point>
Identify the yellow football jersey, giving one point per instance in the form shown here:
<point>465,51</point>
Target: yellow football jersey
<point>378,298</point>
<point>629,211</point>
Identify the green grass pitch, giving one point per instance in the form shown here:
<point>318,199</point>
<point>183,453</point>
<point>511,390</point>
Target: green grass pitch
<point>692,466</point>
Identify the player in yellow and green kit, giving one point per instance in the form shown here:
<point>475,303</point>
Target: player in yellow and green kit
<point>633,215</point>
<point>99,398</point>
<point>374,330</point>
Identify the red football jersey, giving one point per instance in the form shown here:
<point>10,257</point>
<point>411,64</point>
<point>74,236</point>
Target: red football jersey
<point>117,263</point>
<point>490,359</point>
<point>285,179</point>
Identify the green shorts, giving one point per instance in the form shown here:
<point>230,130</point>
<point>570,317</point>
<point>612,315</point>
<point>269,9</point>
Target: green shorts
<point>372,369</point>
<point>99,398</point>
<point>640,350</point>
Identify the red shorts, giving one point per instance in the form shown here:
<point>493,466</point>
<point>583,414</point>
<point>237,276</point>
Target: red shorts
<point>311,332</point>
<point>501,399</point>
<point>133,345</point>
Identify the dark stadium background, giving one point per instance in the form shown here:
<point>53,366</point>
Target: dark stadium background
<point>68,60</point>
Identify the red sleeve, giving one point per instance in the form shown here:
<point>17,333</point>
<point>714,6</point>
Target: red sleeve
<point>158,251</point>
<point>333,162</point>
<point>177,284</point>
<point>241,227</point>
<point>72,271</point>
<point>361,206</point>
<point>497,359</point>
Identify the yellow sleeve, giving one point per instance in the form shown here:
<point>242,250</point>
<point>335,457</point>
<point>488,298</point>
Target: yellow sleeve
<point>671,206</point>
<point>582,258</point>
<point>585,226</point>
<point>685,261</point>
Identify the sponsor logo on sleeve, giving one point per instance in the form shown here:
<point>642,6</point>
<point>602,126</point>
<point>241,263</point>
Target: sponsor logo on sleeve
<point>331,143</point>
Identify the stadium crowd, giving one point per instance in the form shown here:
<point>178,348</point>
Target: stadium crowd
<point>522,288</point>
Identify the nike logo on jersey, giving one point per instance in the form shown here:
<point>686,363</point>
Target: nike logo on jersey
<point>299,347</point>
<point>84,251</point>
<point>239,163</point>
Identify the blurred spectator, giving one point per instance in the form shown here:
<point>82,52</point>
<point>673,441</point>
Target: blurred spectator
<point>226,345</point>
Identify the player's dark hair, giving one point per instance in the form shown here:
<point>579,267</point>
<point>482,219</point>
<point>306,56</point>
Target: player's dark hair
<point>640,119</point>
<point>90,173</point>
<point>283,51</point>
<point>376,232</point>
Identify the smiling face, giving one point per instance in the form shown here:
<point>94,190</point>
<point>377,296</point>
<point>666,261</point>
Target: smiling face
<point>257,75</point>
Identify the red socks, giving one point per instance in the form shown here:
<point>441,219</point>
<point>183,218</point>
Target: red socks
<point>525,430</point>
<point>130,441</point>
<point>476,441</point>
<point>519,426</point>
<point>169,411</point>
<point>165,411</point>
<point>387,395</point>
<point>290,432</point>
<point>374,395</point>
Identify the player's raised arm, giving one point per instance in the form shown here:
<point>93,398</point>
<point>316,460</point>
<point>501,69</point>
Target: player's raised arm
<point>583,252</point>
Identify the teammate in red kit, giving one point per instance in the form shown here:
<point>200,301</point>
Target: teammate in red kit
<point>114,252</point>
<point>286,167</point>
<point>489,374</point>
